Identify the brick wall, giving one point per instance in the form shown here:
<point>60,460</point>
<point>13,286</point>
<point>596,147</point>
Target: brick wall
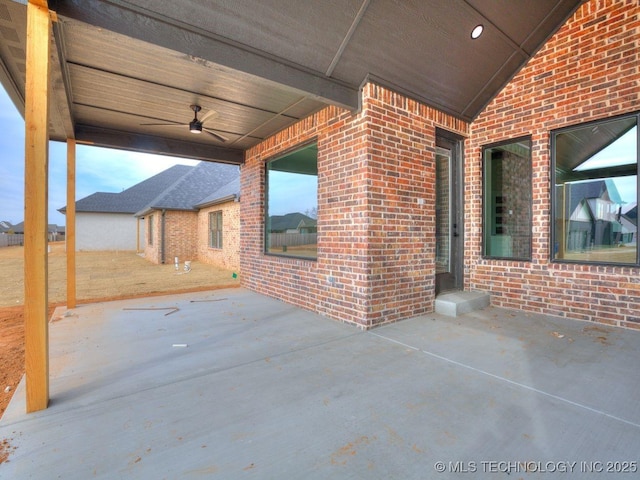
<point>292,280</point>
<point>180,236</point>
<point>400,174</point>
<point>589,70</point>
<point>376,245</point>
<point>228,256</point>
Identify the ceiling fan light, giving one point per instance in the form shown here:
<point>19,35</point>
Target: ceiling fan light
<point>195,127</point>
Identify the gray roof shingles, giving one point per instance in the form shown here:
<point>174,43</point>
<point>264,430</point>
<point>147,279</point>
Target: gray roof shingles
<point>189,190</point>
<point>180,187</point>
<point>230,189</point>
<point>280,223</point>
<point>133,198</point>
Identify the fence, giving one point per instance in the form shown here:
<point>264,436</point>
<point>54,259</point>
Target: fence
<point>11,239</point>
<point>292,239</point>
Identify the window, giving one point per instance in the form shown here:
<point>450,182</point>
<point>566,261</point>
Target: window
<point>443,210</point>
<point>292,204</point>
<point>507,199</point>
<point>150,230</point>
<point>215,229</point>
<point>595,192</point>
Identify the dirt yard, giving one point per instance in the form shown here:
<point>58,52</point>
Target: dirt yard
<point>100,276</point>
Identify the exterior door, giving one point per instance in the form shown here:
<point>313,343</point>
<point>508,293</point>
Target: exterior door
<point>449,218</point>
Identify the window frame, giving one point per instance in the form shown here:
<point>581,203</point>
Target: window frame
<point>520,139</point>
<point>281,155</point>
<point>216,235</point>
<point>553,234</point>
<point>150,230</point>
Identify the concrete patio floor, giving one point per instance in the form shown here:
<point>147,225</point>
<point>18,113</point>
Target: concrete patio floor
<point>238,385</point>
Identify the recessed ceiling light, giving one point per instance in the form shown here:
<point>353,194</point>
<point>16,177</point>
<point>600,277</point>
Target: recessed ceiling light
<point>477,31</point>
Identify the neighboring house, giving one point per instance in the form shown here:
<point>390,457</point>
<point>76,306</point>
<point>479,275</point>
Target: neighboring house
<point>597,215</point>
<point>291,232</point>
<point>594,212</point>
<point>293,223</point>
<point>219,227</point>
<point>189,212</point>
<point>198,217</point>
<point>629,220</point>
<point>106,221</point>
<point>7,235</point>
<point>5,227</point>
<point>55,233</point>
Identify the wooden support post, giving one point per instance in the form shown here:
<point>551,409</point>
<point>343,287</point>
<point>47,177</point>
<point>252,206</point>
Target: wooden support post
<point>36,204</point>
<point>70,229</point>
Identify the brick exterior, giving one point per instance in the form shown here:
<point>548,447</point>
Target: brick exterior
<point>376,241</point>
<point>589,70</point>
<point>187,237</point>
<point>228,256</point>
<point>180,229</point>
<point>376,245</point>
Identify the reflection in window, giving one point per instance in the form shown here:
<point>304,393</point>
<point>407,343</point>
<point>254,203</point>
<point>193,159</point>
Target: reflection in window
<point>292,204</point>
<point>507,200</point>
<point>595,204</point>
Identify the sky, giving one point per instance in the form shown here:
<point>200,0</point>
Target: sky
<point>291,192</point>
<point>97,169</point>
<point>621,152</point>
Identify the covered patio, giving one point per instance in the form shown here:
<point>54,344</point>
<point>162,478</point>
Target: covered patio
<point>233,384</point>
<point>212,80</point>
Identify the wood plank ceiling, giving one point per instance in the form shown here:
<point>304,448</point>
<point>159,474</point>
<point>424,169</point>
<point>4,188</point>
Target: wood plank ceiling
<point>255,67</point>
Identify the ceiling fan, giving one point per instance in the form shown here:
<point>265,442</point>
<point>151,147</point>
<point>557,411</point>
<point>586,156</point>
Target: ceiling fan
<point>195,126</point>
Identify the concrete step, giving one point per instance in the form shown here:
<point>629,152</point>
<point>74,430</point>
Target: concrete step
<point>453,304</point>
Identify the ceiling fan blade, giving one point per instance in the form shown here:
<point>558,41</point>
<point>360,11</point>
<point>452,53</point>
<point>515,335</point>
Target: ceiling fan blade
<point>208,116</point>
<point>176,124</point>
<point>217,135</point>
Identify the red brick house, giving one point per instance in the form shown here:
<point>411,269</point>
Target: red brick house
<point>584,83</point>
<point>106,221</point>
<point>218,241</point>
<point>197,218</point>
<point>431,159</point>
<point>427,162</point>
<point>412,202</point>
<point>189,212</point>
